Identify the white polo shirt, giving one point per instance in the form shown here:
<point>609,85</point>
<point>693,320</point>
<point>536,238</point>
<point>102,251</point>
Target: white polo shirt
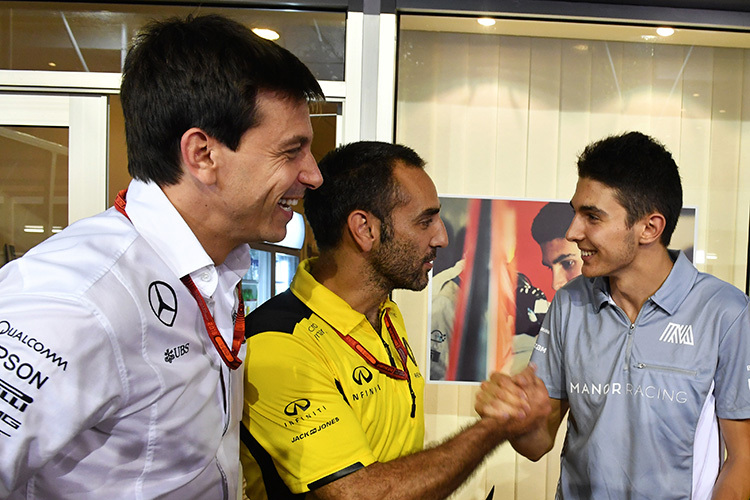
<point>109,384</point>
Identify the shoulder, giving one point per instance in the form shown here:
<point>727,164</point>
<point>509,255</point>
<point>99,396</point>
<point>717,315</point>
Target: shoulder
<point>279,314</point>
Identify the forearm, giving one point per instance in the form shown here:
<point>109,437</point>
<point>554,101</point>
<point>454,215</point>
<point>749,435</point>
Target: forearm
<point>733,482</point>
<point>430,474</point>
<point>535,443</point>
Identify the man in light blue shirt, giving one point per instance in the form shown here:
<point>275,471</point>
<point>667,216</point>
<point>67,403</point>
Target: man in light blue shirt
<point>650,356</point>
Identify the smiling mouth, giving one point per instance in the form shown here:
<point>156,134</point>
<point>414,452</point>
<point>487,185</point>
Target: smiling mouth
<point>288,203</point>
<point>587,253</point>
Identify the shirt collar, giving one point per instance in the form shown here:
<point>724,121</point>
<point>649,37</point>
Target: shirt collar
<point>326,304</point>
<point>162,226</point>
<point>670,294</point>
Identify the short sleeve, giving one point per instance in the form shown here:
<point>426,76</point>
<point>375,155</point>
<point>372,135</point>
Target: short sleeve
<point>732,378</point>
<point>548,352</point>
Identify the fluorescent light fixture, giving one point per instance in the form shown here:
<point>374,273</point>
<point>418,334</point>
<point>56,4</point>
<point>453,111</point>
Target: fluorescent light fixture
<point>266,33</point>
<point>56,229</point>
<point>665,31</point>
<point>486,21</point>
<point>29,228</point>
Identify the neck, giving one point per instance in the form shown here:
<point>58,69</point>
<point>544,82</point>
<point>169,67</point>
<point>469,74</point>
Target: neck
<point>346,276</point>
<point>202,222</point>
<point>647,273</point>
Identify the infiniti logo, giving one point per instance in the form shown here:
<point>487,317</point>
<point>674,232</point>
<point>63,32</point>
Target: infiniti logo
<point>361,375</point>
<point>296,407</point>
<point>163,302</point>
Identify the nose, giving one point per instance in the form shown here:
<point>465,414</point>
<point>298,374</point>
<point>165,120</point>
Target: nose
<point>559,277</point>
<point>574,230</point>
<point>440,240</point>
<point>310,175</point>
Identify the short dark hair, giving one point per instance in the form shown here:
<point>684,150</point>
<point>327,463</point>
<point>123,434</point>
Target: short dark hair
<point>201,72</point>
<point>551,222</point>
<point>357,176</point>
<point>641,171</point>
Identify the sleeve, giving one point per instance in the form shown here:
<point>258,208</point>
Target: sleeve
<point>732,378</point>
<point>548,351</point>
<point>296,412</point>
<point>55,381</point>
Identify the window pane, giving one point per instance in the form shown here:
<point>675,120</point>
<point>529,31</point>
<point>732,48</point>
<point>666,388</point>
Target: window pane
<point>94,37</point>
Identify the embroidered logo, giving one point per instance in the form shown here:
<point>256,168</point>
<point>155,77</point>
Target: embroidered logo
<point>297,406</point>
<point>678,334</point>
<point>163,302</point>
<point>175,352</point>
<point>361,375</point>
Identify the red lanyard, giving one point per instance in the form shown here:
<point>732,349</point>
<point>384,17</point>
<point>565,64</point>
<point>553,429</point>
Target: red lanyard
<point>388,370</point>
<point>229,356</point>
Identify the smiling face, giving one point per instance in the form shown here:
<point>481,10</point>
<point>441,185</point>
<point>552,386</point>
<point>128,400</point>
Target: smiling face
<point>599,229</point>
<point>269,171</point>
<point>414,232</point>
<point>563,258</point>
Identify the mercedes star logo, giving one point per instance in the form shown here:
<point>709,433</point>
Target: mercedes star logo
<point>163,302</point>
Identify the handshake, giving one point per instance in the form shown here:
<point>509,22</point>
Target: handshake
<point>519,404</point>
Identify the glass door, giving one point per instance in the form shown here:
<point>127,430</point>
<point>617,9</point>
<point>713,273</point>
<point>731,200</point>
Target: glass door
<point>54,167</point>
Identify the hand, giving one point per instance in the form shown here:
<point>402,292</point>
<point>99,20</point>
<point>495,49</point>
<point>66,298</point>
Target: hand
<point>520,403</point>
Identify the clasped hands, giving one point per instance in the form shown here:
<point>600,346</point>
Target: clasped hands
<point>519,402</point>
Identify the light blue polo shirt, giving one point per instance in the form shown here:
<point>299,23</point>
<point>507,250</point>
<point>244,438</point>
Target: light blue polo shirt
<point>644,397</point>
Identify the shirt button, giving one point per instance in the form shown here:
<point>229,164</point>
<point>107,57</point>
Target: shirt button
<point>206,276</point>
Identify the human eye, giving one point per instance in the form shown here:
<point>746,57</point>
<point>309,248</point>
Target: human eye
<point>568,264</point>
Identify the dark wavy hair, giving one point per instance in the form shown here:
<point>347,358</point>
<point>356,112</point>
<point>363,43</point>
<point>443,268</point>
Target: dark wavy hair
<point>641,171</point>
<point>551,222</point>
<point>201,72</point>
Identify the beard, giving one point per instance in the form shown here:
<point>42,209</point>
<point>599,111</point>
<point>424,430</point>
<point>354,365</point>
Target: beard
<point>399,265</point>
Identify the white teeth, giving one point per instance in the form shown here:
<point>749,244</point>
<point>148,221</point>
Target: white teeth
<point>586,253</point>
<point>288,202</point>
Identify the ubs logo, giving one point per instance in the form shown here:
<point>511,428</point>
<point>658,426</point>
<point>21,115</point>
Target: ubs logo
<point>163,302</point>
<point>296,407</point>
<point>361,375</point>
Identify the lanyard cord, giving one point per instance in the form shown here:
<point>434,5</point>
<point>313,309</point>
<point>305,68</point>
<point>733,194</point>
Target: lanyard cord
<point>388,370</point>
<point>229,356</point>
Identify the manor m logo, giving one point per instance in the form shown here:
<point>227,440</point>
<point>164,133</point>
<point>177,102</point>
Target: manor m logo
<point>678,334</point>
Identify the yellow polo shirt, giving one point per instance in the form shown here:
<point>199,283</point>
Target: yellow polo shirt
<point>315,409</point>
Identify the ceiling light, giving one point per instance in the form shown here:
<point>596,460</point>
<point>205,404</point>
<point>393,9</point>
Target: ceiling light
<point>664,31</point>
<point>31,228</point>
<point>51,64</point>
<point>486,21</point>
<point>581,46</point>
<point>266,33</point>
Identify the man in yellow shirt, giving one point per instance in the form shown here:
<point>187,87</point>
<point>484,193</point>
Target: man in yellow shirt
<point>334,396</point>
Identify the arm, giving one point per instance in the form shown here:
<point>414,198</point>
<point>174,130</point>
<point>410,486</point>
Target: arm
<point>734,481</point>
<point>437,472</point>
<point>493,401</point>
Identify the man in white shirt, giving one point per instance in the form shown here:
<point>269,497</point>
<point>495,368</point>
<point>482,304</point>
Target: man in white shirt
<point>119,344</point>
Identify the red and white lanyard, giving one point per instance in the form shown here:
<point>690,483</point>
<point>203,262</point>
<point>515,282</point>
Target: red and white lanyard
<point>228,355</point>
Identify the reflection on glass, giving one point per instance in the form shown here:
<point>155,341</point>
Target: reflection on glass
<point>33,187</point>
<point>94,37</point>
<point>286,265</point>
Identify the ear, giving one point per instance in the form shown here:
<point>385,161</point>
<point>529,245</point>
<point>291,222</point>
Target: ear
<point>364,229</point>
<point>196,150</point>
<point>653,226</point>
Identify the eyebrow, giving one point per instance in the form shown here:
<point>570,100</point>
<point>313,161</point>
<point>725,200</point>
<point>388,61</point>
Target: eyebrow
<point>592,209</point>
<point>428,212</point>
<point>293,141</point>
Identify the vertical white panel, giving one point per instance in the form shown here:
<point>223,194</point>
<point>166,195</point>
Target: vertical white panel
<point>87,176</point>
<point>513,116</point>
<point>666,84</point>
<point>726,105</point>
<point>575,113</point>
<point>743,182</point>
<point>696,136</point>
<point>352,112</point>
<point>386,88</point>
<point>544,114</point>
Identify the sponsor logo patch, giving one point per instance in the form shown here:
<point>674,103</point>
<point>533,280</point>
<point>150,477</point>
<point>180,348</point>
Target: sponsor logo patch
<point>361,375</point>
<point>175,352</point>
<point>678,334</point>
<point>163,302</point>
